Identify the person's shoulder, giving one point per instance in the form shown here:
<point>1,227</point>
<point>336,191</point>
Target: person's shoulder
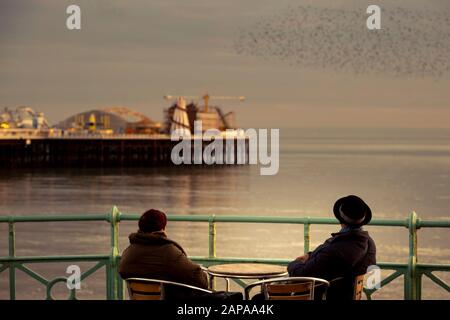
<point>349,241</point>
<point>371,241</point>
<point>351,235</point>
<point>174,248</point>
<point>366,235</point>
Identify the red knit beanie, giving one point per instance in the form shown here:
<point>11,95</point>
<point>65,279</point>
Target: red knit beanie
<point>152,220</point>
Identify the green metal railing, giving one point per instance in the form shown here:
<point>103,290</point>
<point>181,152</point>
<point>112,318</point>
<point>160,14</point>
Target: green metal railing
<point>412,271</point>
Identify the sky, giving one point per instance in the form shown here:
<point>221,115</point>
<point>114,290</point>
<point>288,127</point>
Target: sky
<point>131,53</point>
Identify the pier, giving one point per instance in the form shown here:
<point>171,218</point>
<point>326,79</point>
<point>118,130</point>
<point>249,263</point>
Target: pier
<point>27,148</point>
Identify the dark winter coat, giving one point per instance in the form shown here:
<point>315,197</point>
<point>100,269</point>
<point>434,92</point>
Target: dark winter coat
<point>153,255</point>
<point>346,254</point>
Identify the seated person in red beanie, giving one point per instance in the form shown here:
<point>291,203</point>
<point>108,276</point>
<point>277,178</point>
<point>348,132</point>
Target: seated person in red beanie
<point>152,255</point>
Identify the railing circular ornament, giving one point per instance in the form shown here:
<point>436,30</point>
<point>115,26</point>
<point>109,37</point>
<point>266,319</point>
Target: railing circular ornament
<point>50,285</point>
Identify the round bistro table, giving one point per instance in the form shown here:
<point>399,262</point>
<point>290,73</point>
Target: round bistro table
<point>257,271</point>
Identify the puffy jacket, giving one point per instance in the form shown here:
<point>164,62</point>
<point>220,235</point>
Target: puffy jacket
<point>346,254</point>
<point>153,255</point>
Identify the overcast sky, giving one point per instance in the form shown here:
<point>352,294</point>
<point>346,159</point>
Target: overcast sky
<point>131,53</point>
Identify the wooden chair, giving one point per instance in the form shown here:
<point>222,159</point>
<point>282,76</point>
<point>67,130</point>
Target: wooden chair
<point>289,288</point>
<point>358,286</point>
<point>153,289</point>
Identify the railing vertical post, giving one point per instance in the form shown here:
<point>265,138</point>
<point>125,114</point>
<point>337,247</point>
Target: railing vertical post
<point>412,291</point>
<point>113,272</point>
<point>418,284</point>
<point>12,254</point>
<point>212,237</point>
<point>306,235</point>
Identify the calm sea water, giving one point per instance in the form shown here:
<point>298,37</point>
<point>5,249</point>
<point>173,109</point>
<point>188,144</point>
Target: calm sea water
<point>395,171</point>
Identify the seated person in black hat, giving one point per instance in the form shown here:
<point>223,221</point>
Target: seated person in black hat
<point>347,254</point>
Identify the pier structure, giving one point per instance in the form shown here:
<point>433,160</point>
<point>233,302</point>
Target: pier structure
<point>37,148</point>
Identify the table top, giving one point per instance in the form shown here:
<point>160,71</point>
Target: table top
<point>247,270</point>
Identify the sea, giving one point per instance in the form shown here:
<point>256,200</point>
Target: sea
<point>396,171</point>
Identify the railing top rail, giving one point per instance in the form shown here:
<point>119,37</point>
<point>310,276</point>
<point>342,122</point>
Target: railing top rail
<point>225,218</point>
<point>55,258</point>
<point>55,218</point>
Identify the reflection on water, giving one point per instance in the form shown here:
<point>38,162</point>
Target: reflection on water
<point>395,172</point>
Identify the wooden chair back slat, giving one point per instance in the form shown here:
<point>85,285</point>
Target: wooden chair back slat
<point>289,291</point>
<point>137,296</point>
<point>145,287</point>
<point>288,288</point>
<point>144,291</point>
<point>154,289</point>
<point>358,288</point>
<point>298,297</point>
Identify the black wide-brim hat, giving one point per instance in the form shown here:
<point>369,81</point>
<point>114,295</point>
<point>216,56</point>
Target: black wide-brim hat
<point>352,211</point>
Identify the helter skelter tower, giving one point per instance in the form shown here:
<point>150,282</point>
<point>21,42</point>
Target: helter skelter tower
<point>180,120</point>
